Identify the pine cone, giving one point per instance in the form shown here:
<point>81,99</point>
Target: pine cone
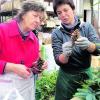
<point>75,35</point>
<point>40,63</point>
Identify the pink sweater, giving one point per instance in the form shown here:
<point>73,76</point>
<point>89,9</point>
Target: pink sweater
<point>14,49</point>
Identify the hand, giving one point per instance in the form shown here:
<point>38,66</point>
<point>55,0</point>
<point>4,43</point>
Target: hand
<point>39,66</point>
<point>83,43</point>
<point>67,48</point>
<point>45,65</point>
<point>19,69</point>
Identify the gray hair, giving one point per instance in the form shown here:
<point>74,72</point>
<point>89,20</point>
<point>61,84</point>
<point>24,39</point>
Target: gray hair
<point>29,6</point>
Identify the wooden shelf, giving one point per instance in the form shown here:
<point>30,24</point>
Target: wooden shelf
<point>48,0</point>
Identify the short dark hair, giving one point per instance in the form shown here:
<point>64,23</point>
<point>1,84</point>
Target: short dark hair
<point>29,6</point>
<point>57,3</point>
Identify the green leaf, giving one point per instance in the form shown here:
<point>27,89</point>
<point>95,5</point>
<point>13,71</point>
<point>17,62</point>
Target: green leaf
<point>89,97</point>
<point>81,94</point>
<point>98,93</point>
<point>83,90</point>
<point>94,98</point>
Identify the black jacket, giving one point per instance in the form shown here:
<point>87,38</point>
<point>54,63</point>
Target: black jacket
<point>80,60</point>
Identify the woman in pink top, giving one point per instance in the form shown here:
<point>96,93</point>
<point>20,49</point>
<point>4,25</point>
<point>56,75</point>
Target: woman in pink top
<point>19,48</point>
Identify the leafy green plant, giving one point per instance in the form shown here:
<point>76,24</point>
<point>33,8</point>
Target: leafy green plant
<point>45,85</point>
<point>90,89</point>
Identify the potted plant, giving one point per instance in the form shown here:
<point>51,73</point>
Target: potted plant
<point>45,85</point>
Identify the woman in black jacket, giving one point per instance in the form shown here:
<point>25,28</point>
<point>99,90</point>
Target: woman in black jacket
<point>73,44</point>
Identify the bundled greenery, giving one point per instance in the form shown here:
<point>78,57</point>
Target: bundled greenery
<point>90,89</point>
<point>45,85</point>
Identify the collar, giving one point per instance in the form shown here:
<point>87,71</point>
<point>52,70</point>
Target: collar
<point>14,30</point>
<point>71,28</point>
<point>31,35</point>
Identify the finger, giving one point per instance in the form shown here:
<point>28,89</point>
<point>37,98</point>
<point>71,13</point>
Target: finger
<point>67,44</point>
<point>68,49</point>
<point>81,39</point>
<point>79,43</point>
<point>28,70</point>
<point>44,67</point>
